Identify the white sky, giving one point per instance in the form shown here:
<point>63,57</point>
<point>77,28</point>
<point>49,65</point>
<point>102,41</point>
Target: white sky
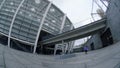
<point>78,11</point>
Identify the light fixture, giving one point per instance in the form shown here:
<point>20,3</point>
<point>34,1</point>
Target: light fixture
<point>53,21</point>
<point>11,3</point>
<point>33,9</point>
<point>52,10</point>
<point>37,1</point>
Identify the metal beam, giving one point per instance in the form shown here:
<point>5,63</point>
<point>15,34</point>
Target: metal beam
<point>98,5</point>
<point>61,29</point>
<point>2,3</point>
<point>63,23</point>
<point>103,3</point>
<point>13,22</point>
<point>26,42</point>
<point>40,27</point>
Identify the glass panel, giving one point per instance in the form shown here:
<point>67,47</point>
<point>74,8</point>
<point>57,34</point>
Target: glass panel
<point>53,20</point>
<point>67,25</point>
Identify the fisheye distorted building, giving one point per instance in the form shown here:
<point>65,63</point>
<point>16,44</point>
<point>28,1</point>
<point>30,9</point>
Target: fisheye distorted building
<point>23,23</point>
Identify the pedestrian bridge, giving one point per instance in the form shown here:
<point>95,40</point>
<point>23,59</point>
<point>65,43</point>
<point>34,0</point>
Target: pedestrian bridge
<point>77,33</point>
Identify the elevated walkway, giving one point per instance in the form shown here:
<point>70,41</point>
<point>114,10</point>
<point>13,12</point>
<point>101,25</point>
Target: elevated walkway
<point>108,57</point>
<point>77,33</point>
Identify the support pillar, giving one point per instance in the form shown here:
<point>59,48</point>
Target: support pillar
<point>55,49</point>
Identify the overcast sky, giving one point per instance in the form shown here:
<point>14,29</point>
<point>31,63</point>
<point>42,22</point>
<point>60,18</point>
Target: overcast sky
<point>77,10</point>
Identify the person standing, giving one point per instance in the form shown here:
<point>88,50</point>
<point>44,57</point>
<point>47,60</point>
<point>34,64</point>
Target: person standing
<point>85,49</point>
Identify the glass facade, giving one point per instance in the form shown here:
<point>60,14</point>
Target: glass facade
<point>28,19</point>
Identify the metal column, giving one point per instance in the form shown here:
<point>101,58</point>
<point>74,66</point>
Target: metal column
<point>61,29</point>
<point>13,22</point>
<point>2,3</point>
<point>63,23</point>
<point>55,49</point>
<point>71,44</point>
<point>40,27</point>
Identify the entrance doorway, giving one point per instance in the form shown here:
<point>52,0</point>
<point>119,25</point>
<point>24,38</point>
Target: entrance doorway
<point>92,46</point>
<point>106,38</point>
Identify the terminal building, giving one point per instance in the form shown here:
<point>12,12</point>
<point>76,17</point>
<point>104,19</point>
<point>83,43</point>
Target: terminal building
<point>23,23</point>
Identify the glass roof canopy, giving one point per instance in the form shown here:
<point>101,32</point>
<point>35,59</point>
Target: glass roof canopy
<point>21,19</point>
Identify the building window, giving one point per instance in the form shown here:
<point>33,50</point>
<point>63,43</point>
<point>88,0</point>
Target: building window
<point>52,27</point>
<point>53,21</point>
<point>7,10</point>
<point>52,10</point>
<point>61,18</point>
<point>30,15</point>
<point>20,12</point>
<point>67,25</point>
<point>13,10</point>
<point>46,24</point>
<point>38,19</point>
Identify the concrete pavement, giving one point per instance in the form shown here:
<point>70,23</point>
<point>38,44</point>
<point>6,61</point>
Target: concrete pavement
<point>108,57</point>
